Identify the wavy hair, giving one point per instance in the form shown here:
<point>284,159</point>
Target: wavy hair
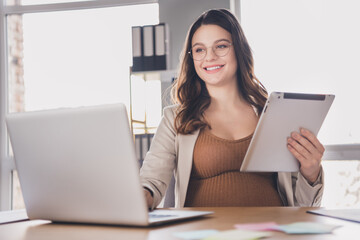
<point>189,90</point>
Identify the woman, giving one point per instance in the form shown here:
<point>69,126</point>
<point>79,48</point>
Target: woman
<point>204,137</point>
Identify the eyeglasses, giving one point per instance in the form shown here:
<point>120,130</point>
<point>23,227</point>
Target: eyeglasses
<point>199,51</point>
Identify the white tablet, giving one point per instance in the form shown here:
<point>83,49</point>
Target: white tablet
<point>283,113</point>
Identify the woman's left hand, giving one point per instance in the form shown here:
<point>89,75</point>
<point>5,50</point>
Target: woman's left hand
<point>307,149</point>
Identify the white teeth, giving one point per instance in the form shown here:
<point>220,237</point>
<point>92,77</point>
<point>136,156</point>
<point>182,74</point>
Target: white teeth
<point>213,68</point>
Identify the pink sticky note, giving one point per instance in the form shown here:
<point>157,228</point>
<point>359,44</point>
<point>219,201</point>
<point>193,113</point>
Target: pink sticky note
<point>263,226</point>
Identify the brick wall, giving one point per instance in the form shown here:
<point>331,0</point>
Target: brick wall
<point>16,84</point>
<point>16,65</point>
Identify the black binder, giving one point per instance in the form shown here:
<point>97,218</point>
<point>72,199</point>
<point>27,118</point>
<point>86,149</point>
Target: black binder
<point>137,49</point>
<point>149,48</point>
<point>149,53</point>
<point>160,47</point>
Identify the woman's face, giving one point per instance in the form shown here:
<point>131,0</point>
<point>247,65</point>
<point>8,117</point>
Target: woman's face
<point>218,64</point>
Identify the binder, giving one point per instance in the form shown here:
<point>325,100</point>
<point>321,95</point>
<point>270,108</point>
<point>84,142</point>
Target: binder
<point>160,47</point>
<point>137,49</point>
<point>149,58</point>
<point>149,48</point>
<point>138,149</point>
<point>136,41</point>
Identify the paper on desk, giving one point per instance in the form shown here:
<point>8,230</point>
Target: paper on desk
<point>194,235</point>
<point>306,228</point>
<point>237,235</point>
<point>262,226</point>
<point>293,228</point>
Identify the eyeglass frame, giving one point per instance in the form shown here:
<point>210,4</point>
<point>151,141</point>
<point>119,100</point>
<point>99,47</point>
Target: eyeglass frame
<point>212,47</point>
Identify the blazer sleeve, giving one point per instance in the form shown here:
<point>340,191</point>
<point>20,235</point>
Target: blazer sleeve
<point>295,190</point>
<point>159,163</point>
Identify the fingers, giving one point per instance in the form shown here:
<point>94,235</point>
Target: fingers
<point>313,139</point>
<point>306,144</point>
<point>296,153</point>
<point>308,150</point>
<point>300,146</point>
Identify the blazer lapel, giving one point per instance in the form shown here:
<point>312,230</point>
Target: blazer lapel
<point>185,161</point>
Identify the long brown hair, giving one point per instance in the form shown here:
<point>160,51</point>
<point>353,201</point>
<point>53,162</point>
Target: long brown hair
<point>190,92</point>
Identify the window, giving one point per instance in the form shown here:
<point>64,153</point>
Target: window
<point>63,54</point>
<point>146,100</point>
<point>313,46</point>
<point>310,46</point>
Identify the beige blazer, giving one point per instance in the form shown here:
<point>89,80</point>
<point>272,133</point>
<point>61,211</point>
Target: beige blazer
<point>171,153</point>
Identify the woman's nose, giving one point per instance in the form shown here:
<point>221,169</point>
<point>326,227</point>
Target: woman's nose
<point>210,54</point>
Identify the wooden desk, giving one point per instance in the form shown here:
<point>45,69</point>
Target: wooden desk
<point>223,219</point>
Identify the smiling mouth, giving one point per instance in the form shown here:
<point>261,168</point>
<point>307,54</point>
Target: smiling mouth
<point>213,68</point>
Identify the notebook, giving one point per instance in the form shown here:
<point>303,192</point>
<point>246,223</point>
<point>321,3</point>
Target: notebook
<point>79,165</point>
<point>349,214</point>
<point>284,113</point>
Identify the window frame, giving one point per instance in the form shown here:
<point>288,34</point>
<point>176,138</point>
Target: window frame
<point>6,162</point>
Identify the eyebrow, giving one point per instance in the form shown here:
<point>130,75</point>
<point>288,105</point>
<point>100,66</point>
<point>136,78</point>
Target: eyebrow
<point>219,40</point>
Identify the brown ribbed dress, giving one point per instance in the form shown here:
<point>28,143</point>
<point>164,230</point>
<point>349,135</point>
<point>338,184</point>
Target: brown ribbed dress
<point>216,180</point>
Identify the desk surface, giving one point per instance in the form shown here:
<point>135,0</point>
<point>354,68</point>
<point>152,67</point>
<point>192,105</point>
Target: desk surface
<point>223,219</point>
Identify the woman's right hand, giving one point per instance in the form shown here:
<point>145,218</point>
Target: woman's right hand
<point>149,198</point>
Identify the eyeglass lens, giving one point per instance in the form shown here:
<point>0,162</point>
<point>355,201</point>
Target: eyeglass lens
<point>198,52</point>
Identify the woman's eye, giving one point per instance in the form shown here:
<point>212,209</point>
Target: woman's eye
<point>222,46</point>
<point>199,50</point>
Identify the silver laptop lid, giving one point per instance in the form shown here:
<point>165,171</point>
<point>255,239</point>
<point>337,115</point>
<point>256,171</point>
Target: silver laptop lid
<point>78,165</point>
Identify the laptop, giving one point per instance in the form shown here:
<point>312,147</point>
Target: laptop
<point>78,165</point>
